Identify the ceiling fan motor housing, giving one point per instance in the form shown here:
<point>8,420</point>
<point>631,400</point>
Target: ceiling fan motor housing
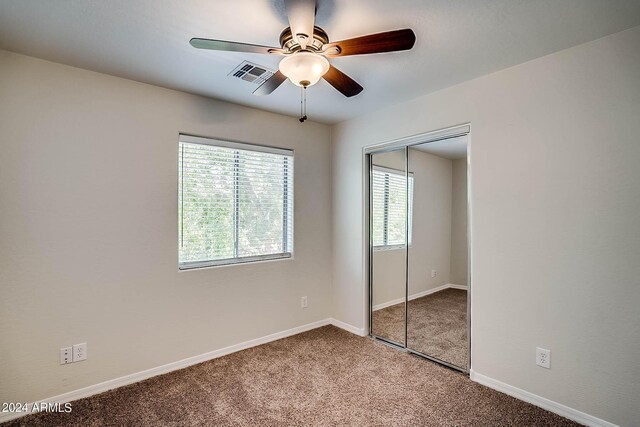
<point>288,42</point>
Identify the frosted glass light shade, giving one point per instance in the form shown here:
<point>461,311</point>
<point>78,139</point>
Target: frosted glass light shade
<point>304,68</point>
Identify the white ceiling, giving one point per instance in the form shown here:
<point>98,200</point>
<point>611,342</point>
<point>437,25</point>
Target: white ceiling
<point>452,148</point>
<point>147,40</point>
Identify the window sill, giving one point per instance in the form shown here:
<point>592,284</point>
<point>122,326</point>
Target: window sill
<point>389,248</point>
<point>233,261</point>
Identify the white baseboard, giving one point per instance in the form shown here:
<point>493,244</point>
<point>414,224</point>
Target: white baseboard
<point>411,297</point>
<point>347,327</point>
<point>418,295</point>
<point>180,364</point>
<point>388,304</point>
<point>526,396</point>
<point>549,405</point>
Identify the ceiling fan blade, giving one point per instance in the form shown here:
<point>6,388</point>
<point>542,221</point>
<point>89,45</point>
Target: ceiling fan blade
<point>389,41</point>
<point>271,84</point>
<point>232,46</point>
<point>302,16</point>
<point>343,83</point>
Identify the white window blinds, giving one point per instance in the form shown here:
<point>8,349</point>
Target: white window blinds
<point>389,206</point>
<point>235,202</point>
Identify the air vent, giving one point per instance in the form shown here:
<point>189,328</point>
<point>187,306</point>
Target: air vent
<point>252,73</point>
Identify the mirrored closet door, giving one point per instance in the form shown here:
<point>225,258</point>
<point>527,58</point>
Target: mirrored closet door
<point>388,219</point>
<point>419,276</point>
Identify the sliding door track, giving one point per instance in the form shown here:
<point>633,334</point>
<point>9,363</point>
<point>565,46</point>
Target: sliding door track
<point>402,348</point>
<point>439,361</point>
<point>388,342</point>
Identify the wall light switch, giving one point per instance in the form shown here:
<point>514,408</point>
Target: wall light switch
<point>304,302</point>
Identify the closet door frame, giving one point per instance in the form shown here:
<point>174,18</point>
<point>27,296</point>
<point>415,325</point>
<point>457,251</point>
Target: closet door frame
<point>393,145</point>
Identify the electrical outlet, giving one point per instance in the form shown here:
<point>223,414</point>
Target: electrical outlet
<point>434,273</point>
<point>303,302</point>
<point>80,352</point>
<point>66,355</point>
<point>543,357</point>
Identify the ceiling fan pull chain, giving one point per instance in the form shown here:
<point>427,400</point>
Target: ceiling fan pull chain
<point>303,104</point>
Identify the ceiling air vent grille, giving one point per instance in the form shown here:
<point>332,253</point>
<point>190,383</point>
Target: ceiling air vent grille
<point>252,73</point>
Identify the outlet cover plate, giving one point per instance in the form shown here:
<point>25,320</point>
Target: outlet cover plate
<point>80,352</point>
<point>543,357</point>
<point>66,355</point>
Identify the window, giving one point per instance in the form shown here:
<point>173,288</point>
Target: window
<point>389,205</point>
<point>235,202</point>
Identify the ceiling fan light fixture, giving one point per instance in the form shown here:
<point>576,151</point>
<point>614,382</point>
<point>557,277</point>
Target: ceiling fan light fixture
<point>304,68</point>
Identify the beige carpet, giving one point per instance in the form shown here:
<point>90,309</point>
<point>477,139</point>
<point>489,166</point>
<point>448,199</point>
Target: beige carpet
<point>437,325</point>
<point>324,377</point>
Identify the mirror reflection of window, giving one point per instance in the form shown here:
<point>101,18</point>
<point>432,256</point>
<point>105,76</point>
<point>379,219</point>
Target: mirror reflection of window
<point>389,205</point>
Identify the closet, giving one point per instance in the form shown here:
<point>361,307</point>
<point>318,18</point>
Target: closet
<point>418,239</point>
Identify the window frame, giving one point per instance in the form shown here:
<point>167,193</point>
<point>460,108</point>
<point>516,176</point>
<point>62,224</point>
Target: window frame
<point>385,232</point>
<point>288,201</point>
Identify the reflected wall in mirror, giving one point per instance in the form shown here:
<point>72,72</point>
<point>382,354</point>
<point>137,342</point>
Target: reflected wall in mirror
<point>388,223</point>
<point>437,324</point>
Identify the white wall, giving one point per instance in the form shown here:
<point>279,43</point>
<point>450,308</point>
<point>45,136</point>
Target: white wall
<point>431,243</point>
<point>459,242</point>
<point>556,236</point>
<point>88,230</point>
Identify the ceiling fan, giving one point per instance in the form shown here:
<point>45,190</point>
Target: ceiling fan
<point>306,47</point>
